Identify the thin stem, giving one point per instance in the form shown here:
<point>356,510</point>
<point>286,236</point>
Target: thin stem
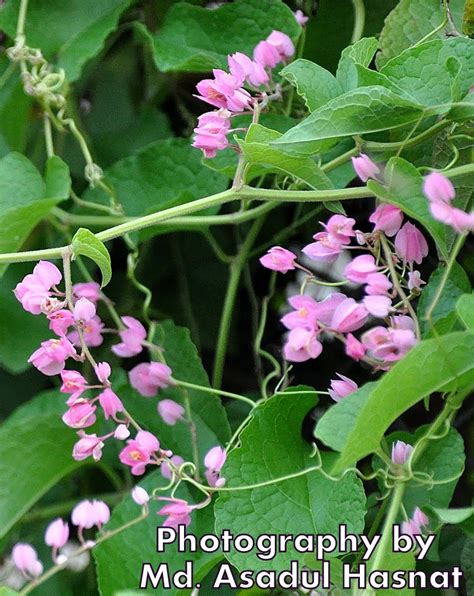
<point>439,290</point>
<point>214,391</point>
<point>48,135</point>
<point>359,20</point>
<point>387,531</point>
<point>397,286</point>
<point>236,269</point>
<point>192,429</point>
<point>20,28</point>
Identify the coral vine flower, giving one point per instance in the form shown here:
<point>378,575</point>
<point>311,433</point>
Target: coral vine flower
<point>342,387</point>
<point>60,321</point>
<point>139,451</point>
<point>360,268</point>
<point>211,131</point>
<point>84,310</point>
<point>410,244</point>
<point>80,415</point>
<point>88,445</point>
<point>301,345</point>
<point>73,382</point>
<point>214,461</point>
<point>279,259</point>
<point>26,560</point>
<point>304,315</point>
<point>35,287</point>
<point>88,514</point>
<point>325,249</point>
<point>364,167</point>
<point>170,411</point>
<point>110,403</point>
<point>340,229</point>
<point>89,290</point>
<point>57,533</point>
<point>177,512</point>
<point>401,452</point>
<point>148,377</point>
<point>224,91</point>
<point>50,358</point>
<point>92,331</point>
<point>132,338</point>
<point>140,495</point>
<point>354,348</point>
<point>242,67</point>
<point>348,316</point>
<point>387,218</point>
<point>103,372</point>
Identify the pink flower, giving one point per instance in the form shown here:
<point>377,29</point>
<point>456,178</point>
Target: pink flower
<point>401,452</point>
<point>342,387</point>
<point>354,348</point>
<point>121,432</point>
<point>103,372</point>
<point>410,244</point>
<point>420,518</point>
<point>340,229</point>
<point>177,512</point>
<point>132,338</point>
<point>414,280</point>
<point>282,43</point>
<point>88,445</point>
<point>304,315</point>
<point>326,249</point>
<point>360,268</point>
<point>224,91</point>
<point>438,188</point>
<point>242,67</point>
<point>266,54</point>
<point>378,306</point>
<point>51,357</point>
<point>387,218</point>
<point>214,462</point>
<point>140,495</point>
<point>378,284</point>
<point>211,131</point>
<point>170,411</point>
<point>92,331</point>
<point>326,308</point>
<point>33,290</point>
<point>89,290</point>
<point>74,383</point>
<point>26,560</point>
<point>60,321</point>
<point>301,19</point>
<point>148,377</point>
<point>165,469</point>
<point>279,259</point>
<point>388,345</point>
<point>80,415</point>
<point>364,167</point>
<point>57,533</point>
<point>302,345</point>
<point>138,452</point>
<point>88,514</point>
<point>110,403</point>
<point>84,310</point>
<point>456,218</point>
<point>348,316</point>
<point>410,528</point>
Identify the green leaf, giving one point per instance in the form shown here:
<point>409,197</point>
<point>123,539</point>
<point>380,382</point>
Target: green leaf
<point>444,317</point>
<point>257,151</point>
<point>411,21</point>
<point>197,39</point>
<point>272,447</point>
<point>85,243</point>
<point>119,560</point>
<point>404,189</point>
<point>465,310</point>
<point>357,112</point>
<point>164,174</point>
<point>15,106</point>
<point>313,83</point>
<point>467,564</point>
<point>73,40</point>
<point>20,332</point>
<point>362,52</point>
<point>463,516</point>
<point>35,453</point>
<point>23,201</point>
<point>428,367</point>
<point>423,72</point>
<point>208,414</point>
<point>462,110</point>
<point>57,178</point>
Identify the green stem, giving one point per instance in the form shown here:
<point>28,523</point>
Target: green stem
<point>359,20</point>
<point>387,531</point>
<point>20,28</point>
<point>236,269</point>
<point>48,135</point>
<point>246,192</point>
<point>214,391</point>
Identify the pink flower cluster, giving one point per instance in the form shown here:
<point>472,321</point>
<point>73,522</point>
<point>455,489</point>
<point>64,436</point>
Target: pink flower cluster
<point>416,523</point>
<point>85,515</point>
<point>441,192</point>
<point>227,92</point>
<point>341,315</point>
